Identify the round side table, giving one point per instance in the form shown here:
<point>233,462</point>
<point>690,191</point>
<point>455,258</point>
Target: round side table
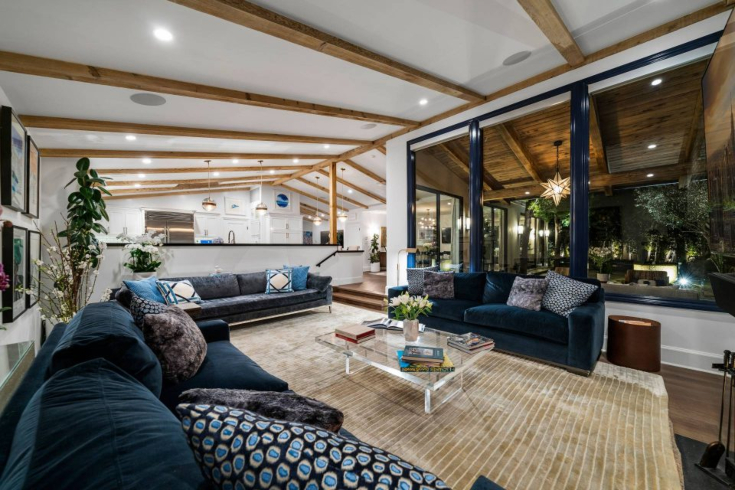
<point>634,342</point>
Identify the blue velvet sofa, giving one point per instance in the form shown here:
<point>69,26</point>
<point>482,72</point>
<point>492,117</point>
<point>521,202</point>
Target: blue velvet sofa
<point>480,306</point>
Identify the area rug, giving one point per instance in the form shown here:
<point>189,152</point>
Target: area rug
<point>523,424</point>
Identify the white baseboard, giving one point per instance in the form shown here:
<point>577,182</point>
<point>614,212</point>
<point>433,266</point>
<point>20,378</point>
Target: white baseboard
<point>687,358</point>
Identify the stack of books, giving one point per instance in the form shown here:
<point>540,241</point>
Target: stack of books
<point>471,342</point>
<point>357,334</point>
<point>420,359</point>
<point>386,323</point>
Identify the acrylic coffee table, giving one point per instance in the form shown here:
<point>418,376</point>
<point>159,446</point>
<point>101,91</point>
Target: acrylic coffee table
<point>381,352</point>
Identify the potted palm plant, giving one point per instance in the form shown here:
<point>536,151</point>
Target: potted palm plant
<point>374,253</point>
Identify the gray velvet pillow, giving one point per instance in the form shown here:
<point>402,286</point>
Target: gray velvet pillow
<point>439,285</point>
<point>528,293</point>
<point>415,279</point>
<point>177,342</point>
<point>281,406</point>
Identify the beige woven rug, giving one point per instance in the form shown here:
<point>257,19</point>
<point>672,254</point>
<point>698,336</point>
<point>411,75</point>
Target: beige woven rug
<point>523,424</point>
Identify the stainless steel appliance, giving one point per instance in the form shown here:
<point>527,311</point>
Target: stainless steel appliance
<point>174,227</point>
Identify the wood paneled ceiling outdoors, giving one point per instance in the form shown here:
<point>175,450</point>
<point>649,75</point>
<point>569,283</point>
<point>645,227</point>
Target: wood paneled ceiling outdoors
<point>627,119</point>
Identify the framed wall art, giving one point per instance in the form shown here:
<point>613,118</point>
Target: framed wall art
<point>33,186</point>
<point>13,157</point>
<point>283,200</point>
<point>33,272</point>
<point>234,206</point>
<point>15,243</point>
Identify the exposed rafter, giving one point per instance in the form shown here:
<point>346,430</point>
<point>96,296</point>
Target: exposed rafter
<point>46,122</point>
<point>356,188</point>
<point>128,183</point>
<point>310,196</point>
<point>154,192</point>
<point>514,142</point>
<point>377,178</point>
<point>189,170</point>
<point>257,18</point>
<point>489,182</point>
<point>689,145</point>
<point>327,191</point>
<point>64,70</point>
<point>382,150</point>
<point>596,137</point>
<point>545,16</point>
<point>182,155</point>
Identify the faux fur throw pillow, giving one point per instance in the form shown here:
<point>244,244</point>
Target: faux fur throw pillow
<point>177,342</point>
<point>527,293</point>
<point>280,406</point>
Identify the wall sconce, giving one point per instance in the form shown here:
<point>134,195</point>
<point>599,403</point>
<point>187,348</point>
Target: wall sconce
<point>519,229</point>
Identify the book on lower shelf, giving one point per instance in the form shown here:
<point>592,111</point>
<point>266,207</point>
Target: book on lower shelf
<point>423,354</point>
<point>446,366</point>
<point>470,342</point>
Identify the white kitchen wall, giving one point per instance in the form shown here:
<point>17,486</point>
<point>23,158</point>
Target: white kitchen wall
<point>27,326</point>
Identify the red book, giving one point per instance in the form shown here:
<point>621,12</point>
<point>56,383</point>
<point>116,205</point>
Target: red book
<point>353,341</point>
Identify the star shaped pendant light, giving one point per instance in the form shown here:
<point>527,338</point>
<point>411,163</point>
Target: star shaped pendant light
<point>556,188</point>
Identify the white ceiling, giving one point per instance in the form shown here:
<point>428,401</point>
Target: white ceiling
<point>463,41</point>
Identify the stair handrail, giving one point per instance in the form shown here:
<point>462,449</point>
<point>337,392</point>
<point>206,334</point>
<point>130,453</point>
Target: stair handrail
<point>319,264</point>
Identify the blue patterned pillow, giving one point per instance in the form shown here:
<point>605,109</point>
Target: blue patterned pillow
<point>146,288</point>
<point>278,281</point>
<point>299,275</point>
<point>183,291</point>
<point>240,449</point>
<point>564,294</point>
<point>169,296</point>
<point>140,307</point>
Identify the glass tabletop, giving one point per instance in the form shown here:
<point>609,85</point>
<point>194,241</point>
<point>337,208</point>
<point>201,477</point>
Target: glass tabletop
<point>382,352</point>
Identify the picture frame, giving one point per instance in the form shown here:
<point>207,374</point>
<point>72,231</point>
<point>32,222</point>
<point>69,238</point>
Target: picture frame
<point>33,272</point>
<point>234,206</point>
<point>33,179</point>
<point>283,201</point>
<point>15,243</point>
<point>13,156</point>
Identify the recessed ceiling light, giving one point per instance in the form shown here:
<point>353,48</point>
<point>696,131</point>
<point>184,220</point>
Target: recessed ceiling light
<point>423,101</point>
<point>147,161</point>
<point>235,161</point>
<point>656,81</point>
<point>130,137</point>
<point>216,174</point>
<point>137,185</point>
<point>649,175</point>
<point>652,146</point>
<point>146,99</point>
<point>296,160</point>
<point>368,126</point>
<point>163,35</point>
<point>516,58</point>
<point>349,191</point>
<point>528,193</point>
<point>142,176</point>
<point>326,147</point>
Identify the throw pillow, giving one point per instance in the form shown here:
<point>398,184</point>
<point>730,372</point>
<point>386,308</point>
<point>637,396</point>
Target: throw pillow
<point>565,294</point>
<point>177,342</point>
<point>299,274</point>
<point>278,281</point>
<point>280,406</point>
<point>240,449</point>
<point>139,307</point>
<point>169,296</point>
<point>416,279</point>
<point>183,291</point>
<point>527,293</point>
<point>439,285</point>
<point>146,288</point>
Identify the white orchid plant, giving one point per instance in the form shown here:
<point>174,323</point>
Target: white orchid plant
<point>145,252</point>
<point>406,307</point>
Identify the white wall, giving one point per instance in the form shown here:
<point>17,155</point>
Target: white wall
<point>692,338</point>
<point>27,326</point>
<point>360,228</point>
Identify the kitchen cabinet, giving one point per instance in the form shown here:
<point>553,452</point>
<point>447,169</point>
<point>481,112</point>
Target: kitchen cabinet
<point>124,221</point>
<point>208,225</point>
<point>284,229</point>
<point>237,229</point>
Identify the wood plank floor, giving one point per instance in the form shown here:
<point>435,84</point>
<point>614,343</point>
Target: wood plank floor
<point>694,396</point>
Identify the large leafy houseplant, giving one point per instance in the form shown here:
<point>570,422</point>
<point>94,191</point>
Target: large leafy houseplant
<point>74,253</point>
<point>374,249</point>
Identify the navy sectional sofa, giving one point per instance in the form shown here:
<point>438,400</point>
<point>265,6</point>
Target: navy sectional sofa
<point>480,306</point>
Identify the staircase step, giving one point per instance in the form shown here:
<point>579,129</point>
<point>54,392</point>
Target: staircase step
<point>363,299</point>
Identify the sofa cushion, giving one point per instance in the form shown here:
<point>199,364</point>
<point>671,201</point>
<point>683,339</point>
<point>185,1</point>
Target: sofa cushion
<point>107,330</point>
<point>497,287</point>
<point>451,309</point>
<point>140,307</point>
<point>223,307</point>
<point>240,449</point>
<point>93,426</point>
<point>208,287</point>
<point>439,284</point>
<point>528,293</point>
<point>146,289</point>
<point>415,278</point>
<point>279,281</point>
<point>541,324</point>
<point>181,292</point>
<point>469,285</point>
<point>299,273</point>
<point>224,367</point>
<point>252,283</point>
<point>564,294</point>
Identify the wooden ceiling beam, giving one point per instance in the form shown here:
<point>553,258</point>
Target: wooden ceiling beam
<point>356,188</point>
<point>177,155</point>
<point>382,150</point>
<point>153,192</point>
<point>596,136</point>
<point>46,122</point>
<point>189,170</point>
<point>305,171</point>
<point>216,182</point>
<point>326,190</point>
<point>545,16</point>
<point>310,196</point>
<point>488,181</point>
<point>268,22</point>
<point>377,178</point>
<point>64,70</point>
<point>688,146</point>
<point>514,142</point>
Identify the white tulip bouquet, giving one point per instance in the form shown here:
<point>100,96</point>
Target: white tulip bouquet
<point>407,307</point>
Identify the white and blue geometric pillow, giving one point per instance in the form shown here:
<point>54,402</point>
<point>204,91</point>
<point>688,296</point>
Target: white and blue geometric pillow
<point>278,281</point>
<point>240,449</point>
<point>183,291</point>
<point>564,294</point>
<point>169,296</point>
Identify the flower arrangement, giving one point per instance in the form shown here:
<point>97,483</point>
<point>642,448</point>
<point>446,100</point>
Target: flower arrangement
<point>407,307</point>
<point>602,258</point>
<point>145,252</point>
